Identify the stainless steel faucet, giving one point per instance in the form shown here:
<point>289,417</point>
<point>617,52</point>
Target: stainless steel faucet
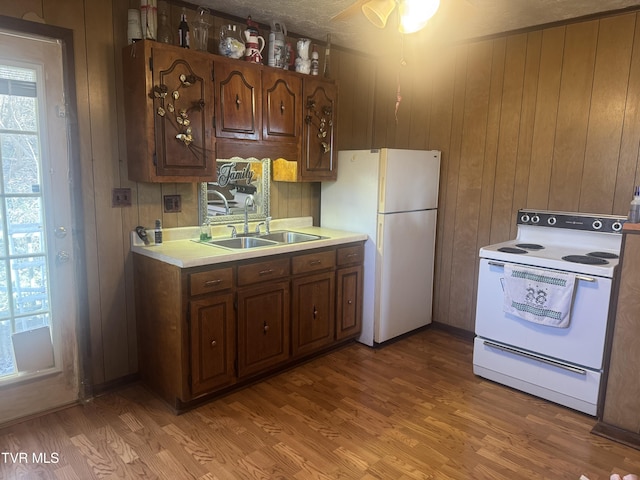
<point>224,199</point>
<point>247,202</point>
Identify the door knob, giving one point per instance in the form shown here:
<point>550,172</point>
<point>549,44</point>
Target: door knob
<point>62,257</point>
<point>60,232</point>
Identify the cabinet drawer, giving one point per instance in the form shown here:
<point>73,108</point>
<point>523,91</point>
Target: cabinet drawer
<point>210,281</point>
<point>313,262</point>
<point>263,271</point>
<point>352,254</point>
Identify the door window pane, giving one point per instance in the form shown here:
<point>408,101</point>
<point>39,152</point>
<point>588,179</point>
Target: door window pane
<point>24,221</point>
<point>24,276</point>
<point>20,163</point>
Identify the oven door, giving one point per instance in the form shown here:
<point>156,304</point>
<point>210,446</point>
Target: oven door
<point>582,343</point>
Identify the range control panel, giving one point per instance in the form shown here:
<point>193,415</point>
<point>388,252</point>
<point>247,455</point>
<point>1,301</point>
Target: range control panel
<point>574,221</point>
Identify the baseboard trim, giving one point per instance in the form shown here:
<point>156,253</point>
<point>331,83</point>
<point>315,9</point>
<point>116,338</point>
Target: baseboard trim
<point>102,388</point>
<point>458,332</point>
<point>617,434</point>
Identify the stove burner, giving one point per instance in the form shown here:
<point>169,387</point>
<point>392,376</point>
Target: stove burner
<point>585,259</point>
<point>602,255</point>
<point>530,246</point>
<point>511,250</point>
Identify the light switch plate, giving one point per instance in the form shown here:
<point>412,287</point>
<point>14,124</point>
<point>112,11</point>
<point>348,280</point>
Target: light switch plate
<point>121,197</point>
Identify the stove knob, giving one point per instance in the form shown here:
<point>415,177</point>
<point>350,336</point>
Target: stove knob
<point>535,219</point>
<point>551,221</point>
<point>597,224</point>
<point>616,227</point>
<point>525,218</point>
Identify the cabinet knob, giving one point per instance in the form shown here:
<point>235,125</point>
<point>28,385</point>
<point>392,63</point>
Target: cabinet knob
<point>213,343</point>
<point>266,327</point>
<point>349,302</point>
<point>238,101</point>
<point>315,312</point>
<point>281,106</point>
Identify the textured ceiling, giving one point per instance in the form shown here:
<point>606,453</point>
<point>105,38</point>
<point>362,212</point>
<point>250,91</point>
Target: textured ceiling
<point>455,20</point>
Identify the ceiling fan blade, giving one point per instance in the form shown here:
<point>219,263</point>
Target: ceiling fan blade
<point>350,11</point>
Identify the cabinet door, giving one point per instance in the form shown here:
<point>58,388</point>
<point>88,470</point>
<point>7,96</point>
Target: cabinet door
<point>212,337</point>
<point>318,143</point>
<point>349,302</point>
<point>282,106</point>
<point>238,100</point>
<point>183,111</point>
<point>313,323</point>
<point>263,327</point>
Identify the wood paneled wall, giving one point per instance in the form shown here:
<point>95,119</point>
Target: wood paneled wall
<point>546,119</point>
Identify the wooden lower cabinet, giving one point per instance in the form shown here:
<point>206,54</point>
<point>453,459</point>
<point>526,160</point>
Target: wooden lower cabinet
<point>349,301</point>
<point>212,332</point>
<point>619,413</point>
<point>313,323</point>
<point>206,330</point>
<point>263,327</point>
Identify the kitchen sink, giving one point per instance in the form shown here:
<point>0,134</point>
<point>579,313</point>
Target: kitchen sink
<point>242,242</point>
<point>285,236</point>
<point>254,240</point>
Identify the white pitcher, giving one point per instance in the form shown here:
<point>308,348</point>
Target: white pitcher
<point>253,46</point>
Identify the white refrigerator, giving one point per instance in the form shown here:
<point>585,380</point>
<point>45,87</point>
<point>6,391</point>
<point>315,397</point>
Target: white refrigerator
<point>392,196</point>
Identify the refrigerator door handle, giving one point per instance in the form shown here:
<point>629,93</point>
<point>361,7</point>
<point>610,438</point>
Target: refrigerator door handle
<point>379,235</point>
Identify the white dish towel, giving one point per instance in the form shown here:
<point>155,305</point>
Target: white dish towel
<point>540,296</point>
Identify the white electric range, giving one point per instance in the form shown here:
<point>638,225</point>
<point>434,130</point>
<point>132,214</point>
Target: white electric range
<point>564,365</point>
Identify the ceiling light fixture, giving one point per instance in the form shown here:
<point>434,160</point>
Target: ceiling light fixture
<point>378,11</point>
<point>413,14</point>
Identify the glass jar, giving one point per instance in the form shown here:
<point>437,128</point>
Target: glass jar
<point>231,45</point>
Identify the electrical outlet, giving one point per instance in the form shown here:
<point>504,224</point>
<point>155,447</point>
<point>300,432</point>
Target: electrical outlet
<point>121,197</point>
<point>172,203</point>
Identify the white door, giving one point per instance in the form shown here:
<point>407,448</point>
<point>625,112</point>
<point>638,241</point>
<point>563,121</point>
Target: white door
<point>404,280</point>
<point>38,289</point>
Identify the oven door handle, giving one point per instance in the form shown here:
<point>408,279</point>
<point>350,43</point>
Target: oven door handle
<point>578,277</point>
<point>548,361</point>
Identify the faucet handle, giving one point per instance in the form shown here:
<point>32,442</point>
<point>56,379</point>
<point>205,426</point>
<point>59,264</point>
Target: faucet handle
<point>234,232</point>
<point>267,222</point>
<point>258,227</point>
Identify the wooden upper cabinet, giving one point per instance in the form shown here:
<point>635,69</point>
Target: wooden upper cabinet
<point>319,158</point>
<point>282,106</point>
<point>185,108</point>
<point>169,108</point>
<point>239,95</point>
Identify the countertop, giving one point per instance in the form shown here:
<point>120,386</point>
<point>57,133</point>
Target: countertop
<point>631,227</point>
<point>181,248</point>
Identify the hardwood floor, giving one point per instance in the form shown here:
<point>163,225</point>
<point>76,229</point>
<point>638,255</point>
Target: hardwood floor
<point>409,410</point>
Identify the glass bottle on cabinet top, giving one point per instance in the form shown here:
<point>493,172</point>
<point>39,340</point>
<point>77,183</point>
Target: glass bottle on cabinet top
<point>183,30</point>
<point>164,30</point>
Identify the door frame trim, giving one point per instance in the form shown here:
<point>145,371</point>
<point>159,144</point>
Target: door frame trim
<point>65,36</point>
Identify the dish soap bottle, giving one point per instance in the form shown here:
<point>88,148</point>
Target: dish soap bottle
<point>634,208</point>
<point>158,233</point>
